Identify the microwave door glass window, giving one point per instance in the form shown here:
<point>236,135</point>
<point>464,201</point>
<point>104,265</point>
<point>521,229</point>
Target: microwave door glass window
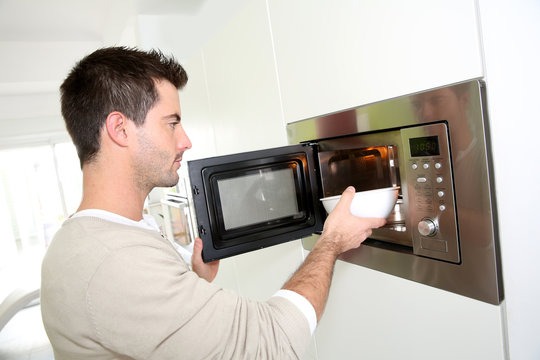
<point>259,197</point>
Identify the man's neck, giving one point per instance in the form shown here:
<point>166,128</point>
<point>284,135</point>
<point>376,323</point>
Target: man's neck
<point>112,191</point>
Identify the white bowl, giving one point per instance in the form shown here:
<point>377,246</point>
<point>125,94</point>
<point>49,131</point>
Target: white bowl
<point>377,203</point>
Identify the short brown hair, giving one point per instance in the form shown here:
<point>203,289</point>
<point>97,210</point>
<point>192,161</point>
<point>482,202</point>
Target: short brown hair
<point>113,79</point>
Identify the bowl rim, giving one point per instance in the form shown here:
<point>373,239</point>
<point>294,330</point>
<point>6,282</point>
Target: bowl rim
<point>358,192</point>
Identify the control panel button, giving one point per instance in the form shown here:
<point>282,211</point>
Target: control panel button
<point>440,193</point>
<point>442,207</point>
<point>427,227</point>
<point>439,179</point>
<point>438,165</point>
<point>414,166</point>
<point>425,166</point>
<point>421,180</point>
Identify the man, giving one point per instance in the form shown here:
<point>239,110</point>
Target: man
<point>112,286</point>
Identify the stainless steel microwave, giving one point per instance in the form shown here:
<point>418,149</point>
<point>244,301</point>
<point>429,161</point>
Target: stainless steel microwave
<point>434,145</point>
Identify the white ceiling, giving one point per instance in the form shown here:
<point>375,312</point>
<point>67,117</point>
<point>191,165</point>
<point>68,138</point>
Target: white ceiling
<point>78,20</point>
<point>40,40</point>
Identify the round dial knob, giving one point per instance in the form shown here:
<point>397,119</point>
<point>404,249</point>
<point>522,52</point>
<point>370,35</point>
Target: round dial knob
<point>427,227</point>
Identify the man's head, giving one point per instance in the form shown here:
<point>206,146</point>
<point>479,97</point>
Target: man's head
<point>113,79</point>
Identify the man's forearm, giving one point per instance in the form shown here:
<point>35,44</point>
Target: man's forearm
<point>312,280</point>
<point>342,231</point>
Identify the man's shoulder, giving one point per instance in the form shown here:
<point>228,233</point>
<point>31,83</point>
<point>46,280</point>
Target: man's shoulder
<point>101,232</point>
<point>90,240</point>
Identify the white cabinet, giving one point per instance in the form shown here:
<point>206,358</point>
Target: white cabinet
<point>336,55</point>
<point>196,117</point>
<point>280,61</point>
<point>242,108</point>
<point>244,113</point>
<point>242,85</point>
<point>371,315</point>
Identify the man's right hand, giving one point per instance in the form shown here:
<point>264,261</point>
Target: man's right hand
<point>345,230</point>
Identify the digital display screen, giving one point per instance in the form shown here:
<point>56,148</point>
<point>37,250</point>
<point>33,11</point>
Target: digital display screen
<point>424,146</point>
<point>258,197</point>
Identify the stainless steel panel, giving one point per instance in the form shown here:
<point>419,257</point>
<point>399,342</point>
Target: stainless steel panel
<point>476,273</point>
<point>430,188</point>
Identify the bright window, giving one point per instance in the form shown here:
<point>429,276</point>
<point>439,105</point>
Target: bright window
<point>39,187</point>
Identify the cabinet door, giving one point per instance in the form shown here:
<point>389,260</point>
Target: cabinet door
<point>332,56</point>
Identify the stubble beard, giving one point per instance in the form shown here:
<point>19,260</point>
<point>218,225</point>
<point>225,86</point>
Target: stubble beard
<point>154,167</point>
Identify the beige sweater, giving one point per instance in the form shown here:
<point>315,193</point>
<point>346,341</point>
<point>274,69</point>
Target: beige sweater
<point>113,291</point>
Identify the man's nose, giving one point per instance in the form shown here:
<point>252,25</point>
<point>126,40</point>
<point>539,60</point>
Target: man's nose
<point>183,142</point>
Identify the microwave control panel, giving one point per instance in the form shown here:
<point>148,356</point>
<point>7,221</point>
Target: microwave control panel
<point>430,187</point>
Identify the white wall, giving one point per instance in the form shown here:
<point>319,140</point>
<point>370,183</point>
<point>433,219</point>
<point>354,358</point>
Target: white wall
<point>337,55</point>
<point>40,42</point>
<point>29,97</point>
<point>512,57</point>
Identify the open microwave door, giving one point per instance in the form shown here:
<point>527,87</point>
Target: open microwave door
<point>252,200</point>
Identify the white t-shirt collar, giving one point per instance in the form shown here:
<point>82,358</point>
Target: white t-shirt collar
<point>147,221</point>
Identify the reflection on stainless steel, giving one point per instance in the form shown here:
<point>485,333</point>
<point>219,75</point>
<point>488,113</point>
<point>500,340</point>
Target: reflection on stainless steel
<point>434,145</point>
<point>397,217</point>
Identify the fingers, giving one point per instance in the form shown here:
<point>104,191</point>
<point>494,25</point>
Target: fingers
<point>207,271</point>
<point>369,224</point>
<point>196,257</point>
<point>198,245</point>
<point>346,198</point>
<point>375,223</point>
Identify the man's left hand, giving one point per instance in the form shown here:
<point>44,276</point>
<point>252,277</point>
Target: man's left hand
<point>207,271</point>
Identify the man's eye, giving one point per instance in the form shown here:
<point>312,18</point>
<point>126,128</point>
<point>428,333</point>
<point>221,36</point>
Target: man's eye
<point>173,124</point>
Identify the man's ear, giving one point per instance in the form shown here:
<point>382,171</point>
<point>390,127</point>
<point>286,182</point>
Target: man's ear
<point>117,127</point>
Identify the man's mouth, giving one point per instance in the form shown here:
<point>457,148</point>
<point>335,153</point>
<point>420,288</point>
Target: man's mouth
<point>178,159</point>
